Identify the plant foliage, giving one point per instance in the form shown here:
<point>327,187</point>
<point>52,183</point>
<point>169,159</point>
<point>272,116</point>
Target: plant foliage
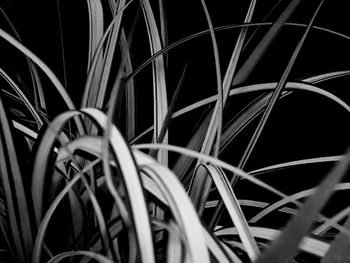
<point>169,131</point>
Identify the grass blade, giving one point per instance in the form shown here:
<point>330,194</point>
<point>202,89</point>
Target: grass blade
<point>182,209</point>
<point>129,88</point>
<point>160,104</point>
<point>169,113</point>
<point>229,199</point>
<point>15,197</point>
<point>264,44</point>
<point>285,246</point>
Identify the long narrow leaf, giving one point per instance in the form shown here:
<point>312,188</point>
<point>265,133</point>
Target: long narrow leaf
<point>14,192</point>
<point>160,104</point>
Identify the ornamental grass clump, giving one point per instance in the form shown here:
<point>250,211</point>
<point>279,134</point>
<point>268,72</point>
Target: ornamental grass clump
<point>159,131</point>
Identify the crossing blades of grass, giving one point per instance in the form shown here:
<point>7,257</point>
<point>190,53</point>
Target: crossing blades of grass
<point>212,160</point>
<point>134,189</point>
<point>275,95</point>
<point>231,203</point>
<point>23,97</point>
<point>100,92</point>
<point>41,162</point>
<point>62,91</point>
<point>169,113</point>
<point>56,82</point>
<point>39,98</point>
<point>182,209</point>
<point>242,74</point>
<point>227,27</point>
<point>286,245</point>
<point>89,88</point>
<point>310,245</point>
<point>46,219</point>
<point>339,249</point>
<point>253,110</point>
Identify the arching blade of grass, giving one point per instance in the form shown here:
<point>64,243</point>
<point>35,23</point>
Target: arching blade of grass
<point>227,27</point>
<point>285,246</point>
<point>231,203</point>
<point>92,144</point>
<point>237,124</point>
<point>46,219</point>
<point>215,125</point>
<point>22,96</point>
<point>18,214</point>
<point>39,98</point>
<point>41,161</point>
<point>286,165</point>
<point>212,160</point>
<point>310,245</point>
<point>40,64</point>
<point>220,251</point>
<point>160,104</point>
<point>255,109</point>
<point>181,207</point>
<point>70,254</point>
<point>290,199</point>
<point>56,82</point>
<point>242,74</point>
<point>290,86</point>
<point>134,189</point>
<point>339,251</point>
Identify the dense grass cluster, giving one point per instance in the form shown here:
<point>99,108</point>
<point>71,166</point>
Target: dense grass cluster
<point>169,131</point>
